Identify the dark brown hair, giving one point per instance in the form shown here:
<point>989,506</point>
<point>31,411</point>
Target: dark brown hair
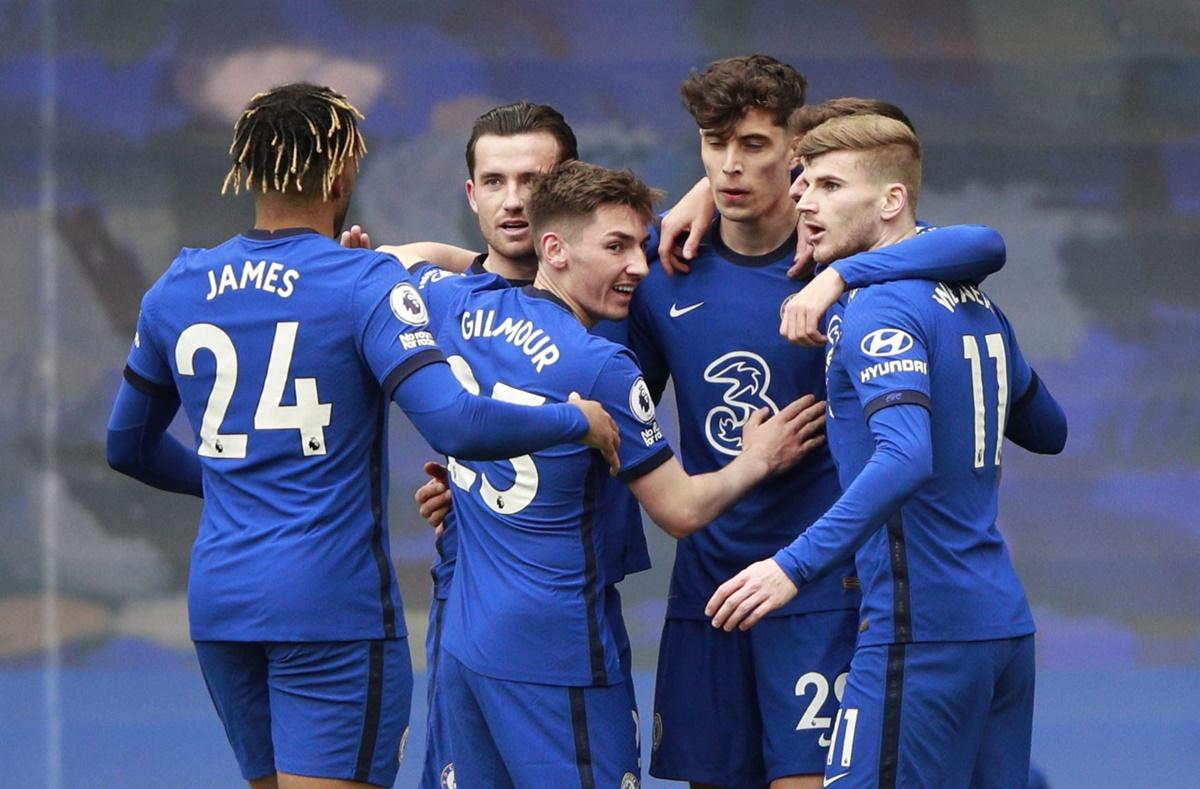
<point>523,117</point>
<point>720,96</point>
<point>294,139</point>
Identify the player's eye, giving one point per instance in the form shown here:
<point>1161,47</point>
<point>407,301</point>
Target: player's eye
<point>615,246</point>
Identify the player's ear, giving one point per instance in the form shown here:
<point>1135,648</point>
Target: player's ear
<point>794,154</point>
<point>470,187</point>
<point>894,201</point>
<point>553,249</point>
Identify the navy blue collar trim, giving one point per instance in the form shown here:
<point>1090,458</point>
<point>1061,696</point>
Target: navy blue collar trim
<point>271,235</point>
<point>785,251</point>
<point>477,267</point>
<point>538,293</point>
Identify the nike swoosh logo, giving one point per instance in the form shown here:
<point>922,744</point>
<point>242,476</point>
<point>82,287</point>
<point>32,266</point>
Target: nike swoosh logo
<point>677,311</point>
<point>834,779</point>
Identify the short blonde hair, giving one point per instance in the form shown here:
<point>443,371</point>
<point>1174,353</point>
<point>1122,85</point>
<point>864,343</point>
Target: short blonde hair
<point>893,151</point>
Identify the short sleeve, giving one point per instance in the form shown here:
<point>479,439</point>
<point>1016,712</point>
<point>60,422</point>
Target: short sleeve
<point>392,322</point>
<point>884,350</point>
<point>623,392</point>
<point>147,367</point>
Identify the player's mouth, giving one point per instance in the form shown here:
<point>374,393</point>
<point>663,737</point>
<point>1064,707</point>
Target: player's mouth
<point>815,232</point>
<point>625,288</point>
<point>734,195</point>
<point>514,228</point>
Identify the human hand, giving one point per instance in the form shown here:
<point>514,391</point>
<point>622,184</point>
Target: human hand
<point>692,215</point>
<point>433,498</point>
<point>784,439</point>
<point>804,311</point>
<point>355,238</point>
<point>602,430</point>
<point>750,595</point>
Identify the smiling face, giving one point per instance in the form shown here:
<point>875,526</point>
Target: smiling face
<point>842,204</point>
<point>604,262</point>
<point>505,167</point>
<point>748,168</point>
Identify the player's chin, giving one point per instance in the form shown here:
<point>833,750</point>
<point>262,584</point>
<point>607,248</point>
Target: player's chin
<point>512,247</point>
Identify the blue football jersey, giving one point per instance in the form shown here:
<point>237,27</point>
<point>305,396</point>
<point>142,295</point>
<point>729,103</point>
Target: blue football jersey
<point>283,348</point>
<point>938,570</point>
<point>615,503</point>
<point>527,602</point>
<point>715,334</point>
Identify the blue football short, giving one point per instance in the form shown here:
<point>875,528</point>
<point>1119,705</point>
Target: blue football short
<point>519,734</point>
<point>322,709</point>
<point>744,708</point>
<point>936,714</point>
<point>438,768</point>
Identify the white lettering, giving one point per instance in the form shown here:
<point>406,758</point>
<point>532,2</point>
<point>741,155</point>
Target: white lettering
<point>950,295</point>
<point>253,275</point>
<point>272,277</point>
<point>228,280</point>
<point>532,341</point>
<point>251,272</point>
<point>894,366</point>
<point>289,283</point>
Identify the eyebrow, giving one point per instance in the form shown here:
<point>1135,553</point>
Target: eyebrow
<point>623,236</point>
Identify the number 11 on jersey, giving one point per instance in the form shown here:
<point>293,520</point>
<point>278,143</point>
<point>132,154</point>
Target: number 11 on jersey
<point>996,350</point>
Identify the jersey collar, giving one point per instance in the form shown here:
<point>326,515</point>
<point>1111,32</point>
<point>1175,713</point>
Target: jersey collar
<point>283,232</point>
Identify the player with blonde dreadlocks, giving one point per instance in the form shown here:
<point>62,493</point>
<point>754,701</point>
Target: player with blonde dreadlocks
<point>283,348</point>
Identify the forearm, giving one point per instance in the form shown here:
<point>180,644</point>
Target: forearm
<point>1037,422</point>
<point>138,446</point>
<point>470,427</point>
<point>958,253</point>
<point>445,256</point>
<point>901,463</point>
<point>687,504</point>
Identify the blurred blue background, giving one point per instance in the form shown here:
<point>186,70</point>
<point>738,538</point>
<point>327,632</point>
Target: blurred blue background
<point>1074,128</point>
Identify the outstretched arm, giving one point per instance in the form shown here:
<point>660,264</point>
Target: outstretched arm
<point>683,504</point>
<point>444,256</point>
<point>959,253</point>
<point>471,427</point>
<point>901,463</point>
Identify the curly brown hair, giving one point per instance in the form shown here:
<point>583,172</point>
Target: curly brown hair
<point>721,95</point>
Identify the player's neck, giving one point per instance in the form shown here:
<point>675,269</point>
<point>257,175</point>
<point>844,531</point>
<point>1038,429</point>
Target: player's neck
<point>522,268</point>
<point>274,215</point>
<point>546,283</point>
<point>761,234</point>
<point>895,232</point>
